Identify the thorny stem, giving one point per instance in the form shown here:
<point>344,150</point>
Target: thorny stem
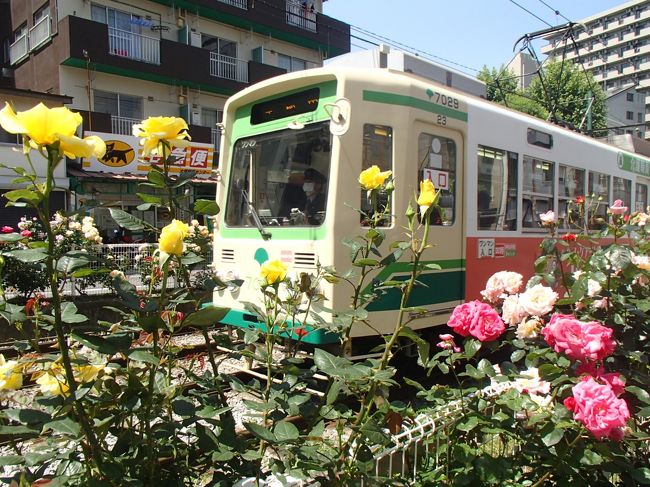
<point>93,449</point>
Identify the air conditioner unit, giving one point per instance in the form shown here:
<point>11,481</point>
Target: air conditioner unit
<point>195,38</point>
<point>195,115</point>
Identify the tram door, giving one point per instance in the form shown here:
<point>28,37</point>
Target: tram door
<point>439,153</point>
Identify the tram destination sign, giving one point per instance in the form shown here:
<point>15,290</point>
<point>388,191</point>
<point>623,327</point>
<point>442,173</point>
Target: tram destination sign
<point>637,165</point>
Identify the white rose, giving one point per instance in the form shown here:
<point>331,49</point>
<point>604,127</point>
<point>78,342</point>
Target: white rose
<point>538,300</point>
<point>512,312</point>
<point>530,382</point>
<point>593,288</point>
<point>527,329</point>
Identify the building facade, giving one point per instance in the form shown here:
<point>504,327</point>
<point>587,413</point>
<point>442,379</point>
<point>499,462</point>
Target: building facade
<point>124,60</point>
<point>614,45</point>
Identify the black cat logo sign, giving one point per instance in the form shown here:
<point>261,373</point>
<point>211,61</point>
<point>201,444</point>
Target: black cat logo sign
<point>118,154</point>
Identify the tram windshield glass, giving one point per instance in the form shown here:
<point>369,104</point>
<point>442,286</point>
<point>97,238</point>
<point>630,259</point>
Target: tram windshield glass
<point>281,178</point>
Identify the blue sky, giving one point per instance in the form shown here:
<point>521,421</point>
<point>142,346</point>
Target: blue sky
<point>470,33</point>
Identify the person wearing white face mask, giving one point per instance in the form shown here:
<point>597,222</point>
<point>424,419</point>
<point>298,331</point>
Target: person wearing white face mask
<point>313,188</point>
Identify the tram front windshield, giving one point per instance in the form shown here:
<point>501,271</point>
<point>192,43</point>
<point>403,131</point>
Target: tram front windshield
<point>281,178</point>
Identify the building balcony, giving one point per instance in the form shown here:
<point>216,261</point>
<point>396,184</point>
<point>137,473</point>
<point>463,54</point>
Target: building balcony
<point>133,46</point>
<point>148,58</point>
<point>243,4</point>
<point>19,49</point>
<point>228,67</point>
<point>40,33</point>
<point>123,125</point>
<point>216,139</point>
<point>299,15</point>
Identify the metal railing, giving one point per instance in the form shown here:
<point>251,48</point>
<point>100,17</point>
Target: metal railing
<point>419,441</point>
<point>300,15</point>
<point>228,67</point>
<point>133,46</point>
<point>216,139</point>
<point>243,4</point>
<point>123,125</point>
<point>19,49</point>
<point>40,33</point>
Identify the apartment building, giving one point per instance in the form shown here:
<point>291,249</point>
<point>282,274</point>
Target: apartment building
<point>124,60</point>
<point>615,46</point>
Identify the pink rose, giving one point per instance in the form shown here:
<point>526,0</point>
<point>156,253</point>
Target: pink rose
<point>6,229</point>
<point>548,218</point>
<point>615,381</point>
<point>598,408</point>
<point>501,283</point>
<point>461,318</point>
<point>579,340</point>
<point>486,324</point>
<point>26,233</point>
<point>617,208</point>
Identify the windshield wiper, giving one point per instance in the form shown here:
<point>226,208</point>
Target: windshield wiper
<point>256,218</point>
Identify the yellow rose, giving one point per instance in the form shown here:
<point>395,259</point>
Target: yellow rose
<point>42,125</point>
<point>88,146</point>
<point>273,271</point>
<point>11,378</point>
<point>171,237</point>
<point>156,129</point>
<point>53,381</point>
<point>428,196</point>
<point>373,178</point>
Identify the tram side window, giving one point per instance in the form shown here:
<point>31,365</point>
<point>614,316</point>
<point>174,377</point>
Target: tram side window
<point>377,150</point>
<point>437,160</point>
<point>641,197</point>
<point>598,189</point>
<point>571,185</point>
<point>496,204</point>
<point>537,194</point>
<point>622,191</point>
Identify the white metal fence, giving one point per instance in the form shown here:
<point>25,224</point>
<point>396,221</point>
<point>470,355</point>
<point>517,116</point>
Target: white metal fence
<point>228,67</point>
<point>236,3</point>
<point>19,49</point>
<point>40,32</point>
<point>133,46</point>
<point>123,125</point>
<point>299,15</point>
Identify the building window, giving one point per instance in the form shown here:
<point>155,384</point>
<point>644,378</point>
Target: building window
<point>629,115</point>
<point>622,190</point>
<point>639,117</point>
<point>224,47</point>
<point>291,63</point>
<point>125,110</point>
<point>116,19</point>
<point>598,188</point>
<point>571,184</point>
<point>629,96</point>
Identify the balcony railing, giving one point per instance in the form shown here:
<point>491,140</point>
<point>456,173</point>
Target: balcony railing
<point>40,33</point>
<point>19,49</point>
<point>133,46</point>
<point>216,139</point>
<point>236,3</point>
<point>299,15</point>
<point>123,125</point>
<point>228,67</point>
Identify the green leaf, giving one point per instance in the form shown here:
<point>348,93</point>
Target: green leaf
<point>366,262</point>
<point>150,198</point>
<point>471,347</point>
<point>183,178</point>
<point>65,426</point>
<point>140,355</point>
<point>208,316</point>
<point>156,178</point>
<point>641,394</point>
<point>332,364</point>
<point>28,255</point>
<point>517,355</point>
<point>423,345</point>
<point>261,432</point>
<point>206,207</point>
<point>10,237</point>
<point>150,323</point>
<point>468,423</point>
<point>71,261</point>
<point>26,195</point>
<point>183,407</point>
<point>641,475</point>
<point>126,220</point>
<point>333,392</point>
<point>69,313</point>
<point>590,457</point>
<point>27,416</point>
<point>108,344</point>
<point>7,460</point>
<point>553,437</point>
<point>285,431</point>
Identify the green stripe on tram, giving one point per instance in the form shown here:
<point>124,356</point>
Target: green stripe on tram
<point>445,285</point>
<point>412,102</point>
